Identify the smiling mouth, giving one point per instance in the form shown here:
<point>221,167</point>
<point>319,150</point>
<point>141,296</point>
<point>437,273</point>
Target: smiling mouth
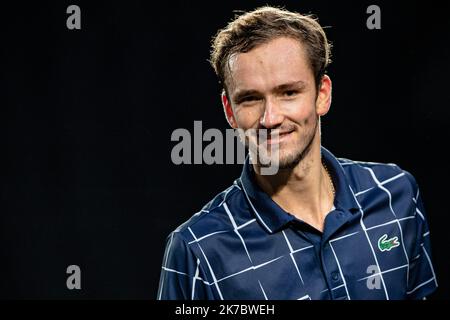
<point>282,137</point>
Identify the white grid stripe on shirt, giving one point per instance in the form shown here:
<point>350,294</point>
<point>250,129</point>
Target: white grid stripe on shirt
<point>340,271</point>
<point>246,224</point>
<point>291,251</point>
<point>382,183</point>
<point>249,269</point>
<point>230,216</point>
<point>368,240</point>
<point>429,262</point>
<point>356,162</point>
<point>390,222</point>
<point>185,274</point>
<point>209,266</point>
<point>420,214</point>
<point>384,272</point>
<point>345,236</point>
<point>421,285</point>
<point>206,236</point>
<point>175,271</point>
<point>227,191</point>
<point>254,209</point>
<point>262,289</point>
<point>374,177</point>
<point>332,289</point>
<point>197,270</point>
<point>301,249</point>
<point>166,256</point>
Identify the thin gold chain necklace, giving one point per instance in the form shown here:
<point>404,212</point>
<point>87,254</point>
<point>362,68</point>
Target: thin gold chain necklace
<point>329,178</point>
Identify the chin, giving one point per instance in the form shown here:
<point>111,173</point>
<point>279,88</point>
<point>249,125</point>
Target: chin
<point>290,158</point>
<point>285,160</point>
<point>288,163</point>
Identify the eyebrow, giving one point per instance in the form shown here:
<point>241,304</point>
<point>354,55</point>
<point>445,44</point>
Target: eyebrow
<point>285,86</point>
<point>296,84</point>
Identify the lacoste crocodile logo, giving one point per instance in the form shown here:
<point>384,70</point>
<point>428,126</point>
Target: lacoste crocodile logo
<point>387,245</point>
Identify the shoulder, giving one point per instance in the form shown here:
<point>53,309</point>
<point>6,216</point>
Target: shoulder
<point>213,217</point>
<point>365,175</point>
<point>354,166</point>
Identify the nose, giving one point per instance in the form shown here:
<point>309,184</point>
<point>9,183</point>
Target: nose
<point>272,116</point>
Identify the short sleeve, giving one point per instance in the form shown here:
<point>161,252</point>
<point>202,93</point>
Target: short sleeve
<point>182,276</point>
<point>422,278</point>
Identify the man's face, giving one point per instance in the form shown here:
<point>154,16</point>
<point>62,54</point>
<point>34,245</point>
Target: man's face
<point>272,87</point>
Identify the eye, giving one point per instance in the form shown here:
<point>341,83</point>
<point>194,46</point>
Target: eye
<point>248,99</point>
<point>290,93</point>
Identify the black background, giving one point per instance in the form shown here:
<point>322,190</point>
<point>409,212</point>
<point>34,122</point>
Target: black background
<point>87,115</point>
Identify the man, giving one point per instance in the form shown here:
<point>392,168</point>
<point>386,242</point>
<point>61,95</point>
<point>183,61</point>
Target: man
<point>321,227</point>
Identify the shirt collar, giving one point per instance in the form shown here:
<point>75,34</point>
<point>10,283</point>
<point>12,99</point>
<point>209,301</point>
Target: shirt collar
<point>271,216</point>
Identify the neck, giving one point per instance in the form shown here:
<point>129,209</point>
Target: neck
<point>305,191</point>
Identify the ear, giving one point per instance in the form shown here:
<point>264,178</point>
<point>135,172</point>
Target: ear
<point>323,101</point>
<point>228,110</point>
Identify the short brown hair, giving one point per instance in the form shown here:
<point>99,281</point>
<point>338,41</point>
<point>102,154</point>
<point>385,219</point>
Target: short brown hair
<point>266,23</point>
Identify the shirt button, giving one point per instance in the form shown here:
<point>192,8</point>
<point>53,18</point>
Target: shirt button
<point>335,276</point>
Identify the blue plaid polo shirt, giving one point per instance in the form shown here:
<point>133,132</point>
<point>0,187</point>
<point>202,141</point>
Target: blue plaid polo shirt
<point>375,243</point>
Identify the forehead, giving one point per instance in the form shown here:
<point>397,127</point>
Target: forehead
<point>269,65</point>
